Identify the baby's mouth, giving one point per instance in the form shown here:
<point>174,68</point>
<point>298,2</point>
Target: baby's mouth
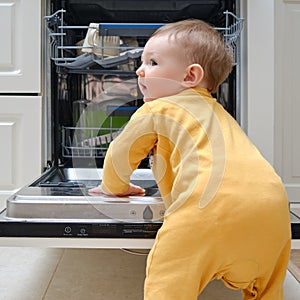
<point>142,86</point>
<point>144,91</point>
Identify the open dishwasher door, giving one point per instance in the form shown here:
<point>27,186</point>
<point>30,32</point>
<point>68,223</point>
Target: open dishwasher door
<point>57,205</point>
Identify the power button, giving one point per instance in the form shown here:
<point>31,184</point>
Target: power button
<point>68,229</point>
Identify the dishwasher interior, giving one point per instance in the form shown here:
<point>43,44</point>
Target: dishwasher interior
<point>92,51</point>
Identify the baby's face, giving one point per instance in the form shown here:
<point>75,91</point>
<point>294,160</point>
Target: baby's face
<point>163,68</point>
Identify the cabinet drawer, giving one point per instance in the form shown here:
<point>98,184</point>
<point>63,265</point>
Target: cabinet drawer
<point>20,136</point>
<point>20,51</point>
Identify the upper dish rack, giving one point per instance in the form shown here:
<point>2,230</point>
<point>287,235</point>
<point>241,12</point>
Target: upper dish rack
<point>111,45</point>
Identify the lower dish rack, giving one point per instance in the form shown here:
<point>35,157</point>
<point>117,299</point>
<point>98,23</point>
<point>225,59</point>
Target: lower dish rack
<point>93,142</point>
<point>78,142</point>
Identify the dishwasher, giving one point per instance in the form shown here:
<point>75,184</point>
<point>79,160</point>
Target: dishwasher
<point>92,49</point>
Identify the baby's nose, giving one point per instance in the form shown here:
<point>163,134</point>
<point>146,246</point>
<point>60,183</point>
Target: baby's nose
<point>140,72</point>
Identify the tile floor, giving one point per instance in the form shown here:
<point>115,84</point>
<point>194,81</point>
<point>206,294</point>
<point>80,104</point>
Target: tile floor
<point>88,274</point>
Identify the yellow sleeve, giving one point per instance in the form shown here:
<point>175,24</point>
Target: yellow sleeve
<point>127,150</point>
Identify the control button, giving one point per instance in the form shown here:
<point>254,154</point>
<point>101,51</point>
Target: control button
<point>147,213</point>
<point>132,212</point>
<point>82,230</point>
<point>68,229</point>
<point>162,212</point>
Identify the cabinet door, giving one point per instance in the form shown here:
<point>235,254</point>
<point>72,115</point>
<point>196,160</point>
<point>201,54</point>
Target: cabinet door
<point>20,51</point>
<point>20,136</point>
<point>287,94</point>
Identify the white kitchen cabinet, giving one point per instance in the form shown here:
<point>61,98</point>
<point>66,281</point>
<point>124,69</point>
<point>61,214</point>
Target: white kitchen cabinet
<point>287,95</point>
<point>20,134</point>
<point>271,85</point>
<point>20,51</point>
<point>20,94</point>
<point>258,75</point>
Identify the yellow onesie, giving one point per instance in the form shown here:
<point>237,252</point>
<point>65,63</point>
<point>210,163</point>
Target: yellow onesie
<point>227,212</point>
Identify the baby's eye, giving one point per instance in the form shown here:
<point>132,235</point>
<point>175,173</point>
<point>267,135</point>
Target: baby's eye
<point>153,62</point>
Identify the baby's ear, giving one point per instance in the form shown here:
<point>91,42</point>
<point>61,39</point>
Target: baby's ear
<point>194,75</point>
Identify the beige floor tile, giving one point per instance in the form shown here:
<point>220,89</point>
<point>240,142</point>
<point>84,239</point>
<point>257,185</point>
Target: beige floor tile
<point>291,288</point>
<point>114,274</point>
<point>26,272</point>
<point>98,274</point>
<point>33,274</point>
<point>217,290</point>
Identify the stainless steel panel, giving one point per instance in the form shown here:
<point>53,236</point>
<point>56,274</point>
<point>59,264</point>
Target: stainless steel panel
<point>85,207</point>
<point>67,202</point>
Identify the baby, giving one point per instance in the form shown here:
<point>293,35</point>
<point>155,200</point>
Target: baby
<point>227,214</point>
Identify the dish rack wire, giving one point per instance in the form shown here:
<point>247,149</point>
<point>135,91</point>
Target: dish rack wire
<point>93,142</point>
<point>103,44</point>
<point>79,142</point>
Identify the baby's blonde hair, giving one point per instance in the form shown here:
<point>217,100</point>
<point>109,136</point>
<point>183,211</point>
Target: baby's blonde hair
<point>204,45</point>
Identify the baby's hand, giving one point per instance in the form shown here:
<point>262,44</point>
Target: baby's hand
<point>96,191</point>
<point>133,190</point>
